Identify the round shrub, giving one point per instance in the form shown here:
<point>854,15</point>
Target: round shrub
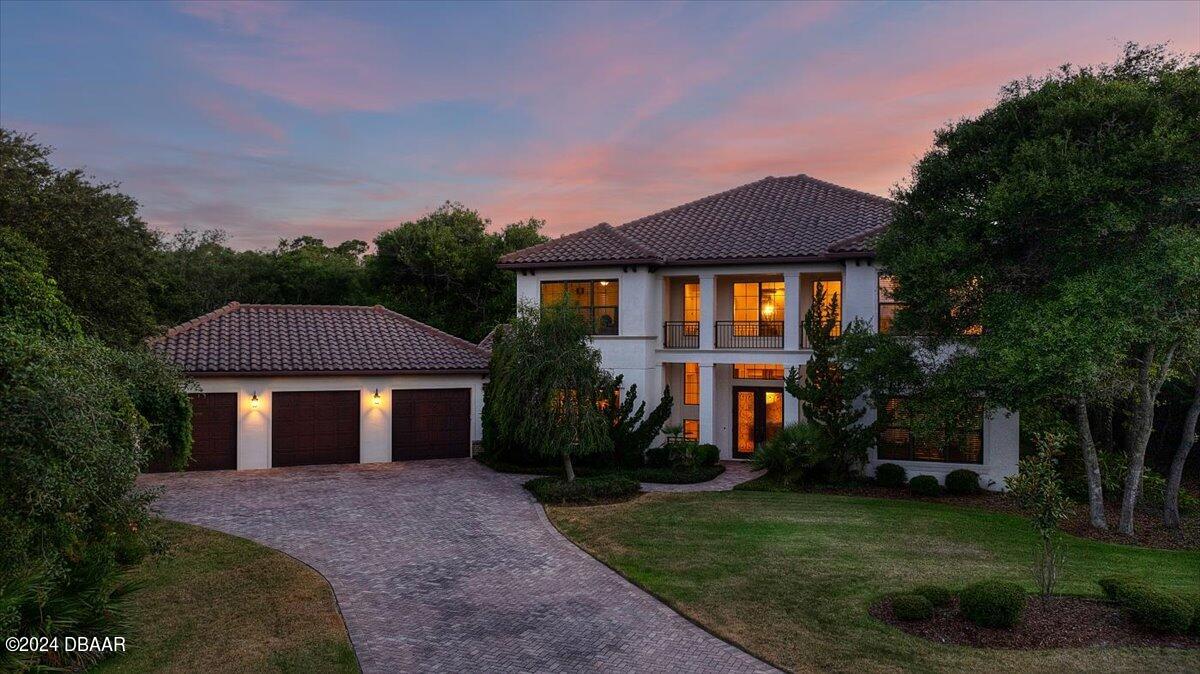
<point>584,490</point>
<point>925,485</point>
<point>659,457</point>
<point>937,595</point>
<point>1194,630</point>
<point>1159,611</point>
<point>992,603</point>
<point>707,455</point>
<point>890,475</point>
<point>962,482</point>
<point>911,607</point>
<point>1120,588</point>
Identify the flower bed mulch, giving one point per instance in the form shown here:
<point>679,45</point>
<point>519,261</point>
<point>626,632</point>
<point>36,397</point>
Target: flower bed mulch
<point>1057,622</point>
<point>1149,530</point>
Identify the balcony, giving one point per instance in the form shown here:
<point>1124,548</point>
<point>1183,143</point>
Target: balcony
<point>749,334</point>
<point>681,335</point>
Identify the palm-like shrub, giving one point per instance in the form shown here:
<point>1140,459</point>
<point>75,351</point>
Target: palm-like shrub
<point>795,450</point>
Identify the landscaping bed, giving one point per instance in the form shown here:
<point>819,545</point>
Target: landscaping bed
<point>599,489</point>
<point>1057,622</point>
<point>670,475</point>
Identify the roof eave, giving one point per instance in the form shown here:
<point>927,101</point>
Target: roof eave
<point>580,263</point>
<point>209,374</point>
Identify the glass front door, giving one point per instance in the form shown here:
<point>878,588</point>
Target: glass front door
<point>758,416</point>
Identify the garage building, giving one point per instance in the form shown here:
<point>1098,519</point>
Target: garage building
<point>292,385</point>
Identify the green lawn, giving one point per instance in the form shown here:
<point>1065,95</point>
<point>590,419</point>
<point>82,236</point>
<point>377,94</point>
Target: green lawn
<point>217,603</point>
<point>789,577</point>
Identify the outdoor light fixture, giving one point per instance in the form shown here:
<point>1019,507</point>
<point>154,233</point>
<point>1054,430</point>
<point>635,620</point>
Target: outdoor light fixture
<point>254,400</point>
<point>375,399</point>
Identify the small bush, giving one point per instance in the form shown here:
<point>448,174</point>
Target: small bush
<point>911,607</point>
<point>794,451</point>
<point>992,603</point>
<point>707,455</point>
<point>890,475</point>
<point>925,485</point>
<point>1194,630</point>
<point>937,595</point>
<point>962,482</point>
<point>1121,588</point>
<point>1160,611</point>
<point>658,457</point>
<point>583,490</point>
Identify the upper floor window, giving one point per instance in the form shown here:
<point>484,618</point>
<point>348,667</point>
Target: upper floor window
<point>833,301</point>
<point>898,442</point>
<point>597,301</point>
<point>691,302</point>
<point>888,306</point>
<point>754,301</point>
<point>691,383</point>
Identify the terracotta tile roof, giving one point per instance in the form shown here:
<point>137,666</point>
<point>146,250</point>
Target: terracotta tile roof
<point>795,217</point>
<point>489,339</point>
<point>305,339</point>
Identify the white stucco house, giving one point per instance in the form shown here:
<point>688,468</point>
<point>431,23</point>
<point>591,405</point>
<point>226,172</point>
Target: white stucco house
<point>708,298</point>
<point>290,385</point>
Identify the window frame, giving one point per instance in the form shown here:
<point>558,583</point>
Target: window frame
<point>589,311</point>
<point>950,449</point>
<point>691,383</point>
<point>884,298</point>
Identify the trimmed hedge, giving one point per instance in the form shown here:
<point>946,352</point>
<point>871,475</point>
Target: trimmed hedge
<point>937,595</point>
<point>992,603</point>
<point>890,475</point>
<point>707,455</point>
<point>962,482</point>
<point>1150,607</point>
<point>584,490</point>
<point>925,485</point>
<point>911,607</point>
<point>677,475</point>
<point>1195,628</point>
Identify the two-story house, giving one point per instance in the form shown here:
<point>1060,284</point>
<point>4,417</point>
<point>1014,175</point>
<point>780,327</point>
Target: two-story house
<point>708,298</point>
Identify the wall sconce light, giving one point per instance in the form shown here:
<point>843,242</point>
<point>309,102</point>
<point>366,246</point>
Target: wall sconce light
<point>254,400</point>
<point>376,400</point>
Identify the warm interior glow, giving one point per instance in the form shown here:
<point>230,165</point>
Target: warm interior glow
<point>375,399</point>
<point>254,400</point>
<point>768,310</point>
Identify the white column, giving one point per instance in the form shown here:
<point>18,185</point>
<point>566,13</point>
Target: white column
<point>708,314</point>
<point>708,401</point>
<point>791,311</point>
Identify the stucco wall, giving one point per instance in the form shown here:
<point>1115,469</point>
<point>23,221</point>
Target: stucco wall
<point>375,430</point>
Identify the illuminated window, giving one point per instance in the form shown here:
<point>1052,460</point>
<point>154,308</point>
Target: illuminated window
<point>897,442</point>
<point>833,301</point>
<point>757,371</point>
<point>691,429</point>
<point>888,306</point>
<point>691,384</point>
<point>691,302</point>
<point>758,308</point>
<point>597,302</point>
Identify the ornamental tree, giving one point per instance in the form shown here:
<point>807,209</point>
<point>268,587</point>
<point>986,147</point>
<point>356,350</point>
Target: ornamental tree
<point>547,388</point>
<point>1064,222</point>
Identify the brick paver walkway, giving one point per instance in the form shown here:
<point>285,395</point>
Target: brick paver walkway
<point>448,566</point>
<point>736,472</point>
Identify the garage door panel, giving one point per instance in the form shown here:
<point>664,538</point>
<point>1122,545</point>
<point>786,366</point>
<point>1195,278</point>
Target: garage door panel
<point>431,424</point>
<point>214,431</point>
<point>314,427</point>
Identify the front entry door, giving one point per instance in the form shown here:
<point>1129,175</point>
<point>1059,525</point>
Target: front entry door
<point>757,417</point>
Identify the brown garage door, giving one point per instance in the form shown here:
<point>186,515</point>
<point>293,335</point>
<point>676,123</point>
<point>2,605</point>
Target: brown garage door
<point>314,427</point>
<point>431,424</point>
<point>214,431</point>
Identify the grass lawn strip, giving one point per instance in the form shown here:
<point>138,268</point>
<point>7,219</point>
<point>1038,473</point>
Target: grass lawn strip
<point>218,603</point>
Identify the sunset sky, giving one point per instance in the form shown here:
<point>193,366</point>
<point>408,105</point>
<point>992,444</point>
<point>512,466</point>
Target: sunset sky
<point>273,120</point>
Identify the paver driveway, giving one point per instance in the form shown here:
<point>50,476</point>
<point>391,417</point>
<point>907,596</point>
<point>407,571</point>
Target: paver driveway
<point>448,566</point>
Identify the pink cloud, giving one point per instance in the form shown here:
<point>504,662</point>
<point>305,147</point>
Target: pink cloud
<point>238,119</point>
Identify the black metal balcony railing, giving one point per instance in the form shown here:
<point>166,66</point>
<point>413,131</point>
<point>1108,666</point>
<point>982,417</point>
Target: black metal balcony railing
<point>681,335</point>
<point>749,334</point>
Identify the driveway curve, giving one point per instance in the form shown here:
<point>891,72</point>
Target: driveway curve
<point>448,566</point>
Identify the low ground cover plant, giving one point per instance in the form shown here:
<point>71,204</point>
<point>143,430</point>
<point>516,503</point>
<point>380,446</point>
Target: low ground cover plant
<point>911,607</point>
<point>583,490</point>
<point>992,603</point>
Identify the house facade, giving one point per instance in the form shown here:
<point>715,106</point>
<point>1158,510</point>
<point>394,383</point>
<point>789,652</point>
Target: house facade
<point>708,298</point>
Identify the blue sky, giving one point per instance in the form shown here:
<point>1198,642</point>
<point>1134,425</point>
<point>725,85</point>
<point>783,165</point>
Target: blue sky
<point>274,120</point>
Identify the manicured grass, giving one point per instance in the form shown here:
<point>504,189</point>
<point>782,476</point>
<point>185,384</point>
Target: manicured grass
<point>789,577</point>
<point>217,603</point>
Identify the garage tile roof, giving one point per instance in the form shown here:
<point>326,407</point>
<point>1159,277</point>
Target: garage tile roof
<point>795,217</point>
<point>286,339</point>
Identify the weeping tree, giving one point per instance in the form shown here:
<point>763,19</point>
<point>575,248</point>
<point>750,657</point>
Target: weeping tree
<point>546,388</point>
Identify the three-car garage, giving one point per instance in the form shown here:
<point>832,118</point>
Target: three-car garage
<point>289,385</point>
